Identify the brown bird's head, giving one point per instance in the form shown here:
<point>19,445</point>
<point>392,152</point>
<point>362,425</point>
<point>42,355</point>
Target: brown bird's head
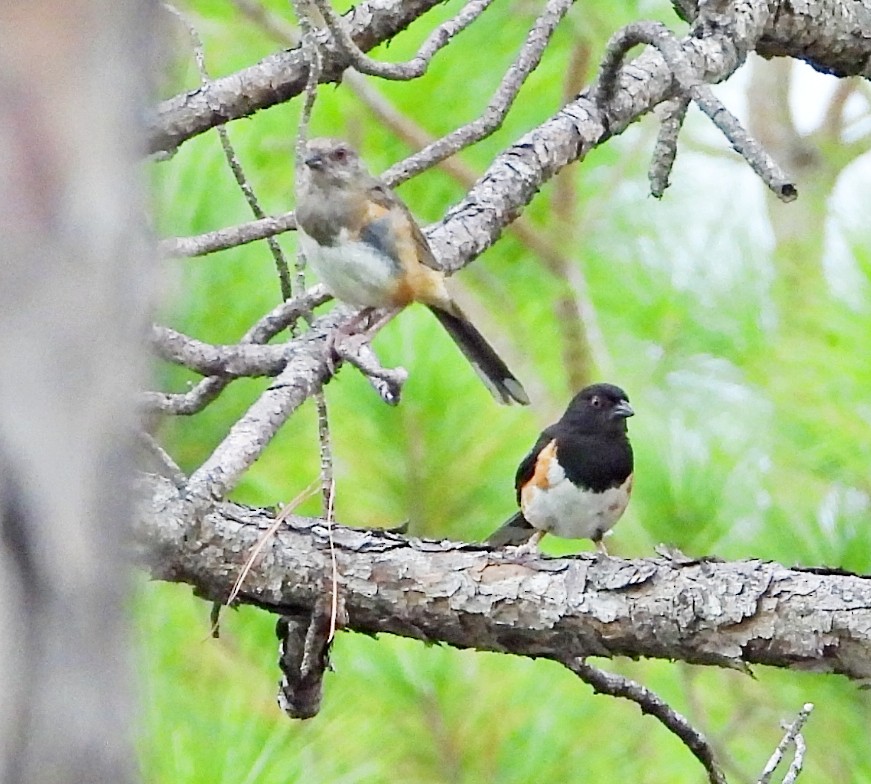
<point>333,163</point>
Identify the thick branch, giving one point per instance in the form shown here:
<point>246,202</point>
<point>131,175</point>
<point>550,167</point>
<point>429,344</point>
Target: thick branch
<point>466,595</point>
<point>516,175</point>
<point>275,78</point>
<point>831,35</point>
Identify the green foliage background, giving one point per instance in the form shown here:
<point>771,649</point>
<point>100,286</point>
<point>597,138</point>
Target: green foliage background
<point>753,433</point>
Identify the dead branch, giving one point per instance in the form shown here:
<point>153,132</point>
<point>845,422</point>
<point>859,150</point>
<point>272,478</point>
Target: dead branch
<point>343,41</point>
<point>651,703</point>
<point>733,615</point>
<point>517,174</point>
<point>310,364</point>
<point>275,79</point>
<point>691,86</point>
<point>792,736</point>
<point>829,35</point>
<point>491,119</point>
<point>194,400</point>
<point>665,151</point>
<point>211,360</point>
<point>230,237</point>
<point>304,657</point>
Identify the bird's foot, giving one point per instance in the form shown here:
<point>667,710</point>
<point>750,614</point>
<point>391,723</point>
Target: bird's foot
<point>527,551</point>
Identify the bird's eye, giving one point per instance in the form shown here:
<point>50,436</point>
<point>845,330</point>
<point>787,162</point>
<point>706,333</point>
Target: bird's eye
<point>596,401</point>
<point>340,154</point>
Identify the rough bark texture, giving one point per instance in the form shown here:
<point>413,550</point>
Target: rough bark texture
<point>274,79</point>
<point>72,291</point>
<point>834,36</point>
<point>729,614</point>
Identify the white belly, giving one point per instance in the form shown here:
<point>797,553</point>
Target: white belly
<point>354,272</point>
<point>565,511</point>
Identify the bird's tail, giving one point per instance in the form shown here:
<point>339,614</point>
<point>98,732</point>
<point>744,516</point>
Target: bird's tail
<point>512,532</point>
<point>481,355</point>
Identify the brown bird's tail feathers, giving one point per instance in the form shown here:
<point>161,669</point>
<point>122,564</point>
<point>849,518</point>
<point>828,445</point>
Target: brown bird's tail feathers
<point>483,358</point>
<point>512,532</point>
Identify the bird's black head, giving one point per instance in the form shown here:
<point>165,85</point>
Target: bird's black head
<point>599,408</point>
<point>332,162</point>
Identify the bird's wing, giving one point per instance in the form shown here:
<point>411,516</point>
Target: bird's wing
<point>381,195</point>
<point>526,469</point>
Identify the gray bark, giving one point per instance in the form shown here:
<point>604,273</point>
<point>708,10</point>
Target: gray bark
<point>833,36</point>
<point>728,614</point>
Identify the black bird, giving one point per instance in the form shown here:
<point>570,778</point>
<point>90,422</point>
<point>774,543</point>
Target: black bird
<point>576,480</point>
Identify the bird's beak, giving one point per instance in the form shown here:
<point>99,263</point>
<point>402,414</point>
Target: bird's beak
<point>622,410</point>
<point>314,161</point>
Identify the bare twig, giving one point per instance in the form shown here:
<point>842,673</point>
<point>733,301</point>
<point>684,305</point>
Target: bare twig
<point>690,85</point>
<point>231,237</point>
<point>387,382</point>
<point>334,590</point>
<point>184,403</point>
<point>491,119</point>
<point>652,704</point>
<point>309,367</point>
<point>665,151</point>
<point>797,763</point>
<point>415,67</point>
<point>233,160</point>
<point>165,464</point>
<point>312,55</point>
<point>283,315</point>
<point>212,360</point>
<point>792,733</point>
<point>279,318</point>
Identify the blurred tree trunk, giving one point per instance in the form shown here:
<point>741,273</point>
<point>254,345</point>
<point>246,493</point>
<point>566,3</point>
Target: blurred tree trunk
<point>801,365</point>
<point>72,306</point>
<point>799,227</point>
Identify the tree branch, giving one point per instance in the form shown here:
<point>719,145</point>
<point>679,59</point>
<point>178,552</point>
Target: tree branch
<point>415,67</point>
<point>793,735</point>
<point>211,360</point>
<point>691,87</point>
<point>230,237</point>
<point>279,318</point>
<point>617,686</point>
<point>829,35</point>
<point>491,119</point>
<point>469,596</point>
<point>275,79</point>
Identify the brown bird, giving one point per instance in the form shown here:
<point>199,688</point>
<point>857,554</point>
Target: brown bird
<point>367,249</point>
